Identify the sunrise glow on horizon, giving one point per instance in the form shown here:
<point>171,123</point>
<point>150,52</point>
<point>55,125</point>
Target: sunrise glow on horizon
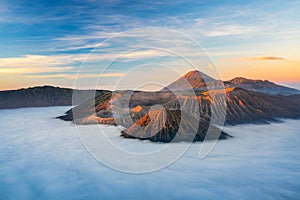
<point>46,43</point>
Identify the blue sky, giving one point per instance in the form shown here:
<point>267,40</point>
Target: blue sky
<point>45,42</point>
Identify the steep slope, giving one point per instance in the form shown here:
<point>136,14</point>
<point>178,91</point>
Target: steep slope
<point>191,80</point>
<point>86,109</point>
<point>171,125</point>
<point>254,107</point>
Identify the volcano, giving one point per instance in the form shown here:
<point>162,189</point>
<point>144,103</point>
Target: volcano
<point>192,80</point>
<point>187,114</point>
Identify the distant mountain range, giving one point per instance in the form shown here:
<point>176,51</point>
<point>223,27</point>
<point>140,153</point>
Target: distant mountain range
<point>186,106</point>
<point>55,96</point>
<point>248,101</point>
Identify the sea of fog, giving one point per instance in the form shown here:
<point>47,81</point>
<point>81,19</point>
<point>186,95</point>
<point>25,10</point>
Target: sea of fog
<point>42,158</point>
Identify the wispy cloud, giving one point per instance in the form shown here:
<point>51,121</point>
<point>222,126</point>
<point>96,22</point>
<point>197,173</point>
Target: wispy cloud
<point>259,58</point>
<point>73,76</point>
<point>65,59</point>
<point>34,61</point>
<point>79,46</point>
<point>264,58</point>
<point>39,64</point>
<point>55,38</point>
<point>23,70</point>
<point>66,62</point>
<point>229,30</point>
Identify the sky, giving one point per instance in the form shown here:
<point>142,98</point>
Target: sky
<point>146,44</point>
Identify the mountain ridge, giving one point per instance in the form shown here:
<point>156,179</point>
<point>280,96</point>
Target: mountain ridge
<point>47,95</point>
<point>197,80</point>
<point>263,86</point>
<point>112,108</point>
<point>141,122</point>
<point>43,96</point>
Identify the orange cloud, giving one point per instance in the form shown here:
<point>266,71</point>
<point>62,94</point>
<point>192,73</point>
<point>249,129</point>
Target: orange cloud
<point>264,58</point>
<point>73,76</point>
<point>278,70</point>
<point>21,70</point>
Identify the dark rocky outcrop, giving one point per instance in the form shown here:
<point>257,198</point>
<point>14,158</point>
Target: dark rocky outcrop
<point>43,96</point>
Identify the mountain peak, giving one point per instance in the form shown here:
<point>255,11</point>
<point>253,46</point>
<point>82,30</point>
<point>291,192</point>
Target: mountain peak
<point>191,73</point>
<point>191,80</point>
<point>200,76</point>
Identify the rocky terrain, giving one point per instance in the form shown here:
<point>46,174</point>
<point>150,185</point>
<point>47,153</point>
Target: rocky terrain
<point>182,111</point>
<point>295,96</point>
<point>186,111</point>
<point>263,86</point>
<point>199,81</point>
<point>171,126</point>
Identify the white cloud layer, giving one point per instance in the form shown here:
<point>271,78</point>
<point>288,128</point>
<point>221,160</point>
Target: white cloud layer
<point>42,158</point>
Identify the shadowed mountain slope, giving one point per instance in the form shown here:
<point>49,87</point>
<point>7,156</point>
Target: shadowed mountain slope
<point>43,96</point>
<point>262,86</point>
